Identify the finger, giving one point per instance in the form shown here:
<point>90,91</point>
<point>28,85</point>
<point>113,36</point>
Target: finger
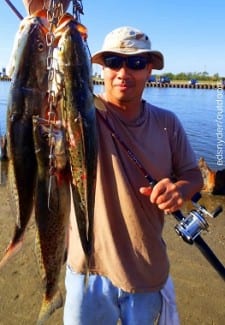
<point>146,191</point>
<point>171,205</point>
<point>159,190</point>
<point>167,193</point>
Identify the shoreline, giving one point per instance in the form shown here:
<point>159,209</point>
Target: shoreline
<point>172,84</point>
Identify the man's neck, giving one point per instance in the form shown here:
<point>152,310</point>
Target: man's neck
<point>128,111</point>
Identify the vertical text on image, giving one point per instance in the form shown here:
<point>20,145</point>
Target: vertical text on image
<point>220,124</point>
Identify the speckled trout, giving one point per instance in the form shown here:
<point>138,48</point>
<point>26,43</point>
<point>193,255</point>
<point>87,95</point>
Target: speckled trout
<point>79,119</point>
<point>52,209</point>
<point>27,96</point>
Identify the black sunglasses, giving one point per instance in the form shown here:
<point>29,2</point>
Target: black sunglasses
<point>133,62</point>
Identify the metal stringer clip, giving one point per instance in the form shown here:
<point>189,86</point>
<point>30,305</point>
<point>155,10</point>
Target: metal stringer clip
<point>77,9</point>
<point>54,12</point>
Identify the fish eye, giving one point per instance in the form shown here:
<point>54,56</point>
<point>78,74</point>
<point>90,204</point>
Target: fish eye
<point>45,136</point>
<point>60,48</point>
<point>40,46</point>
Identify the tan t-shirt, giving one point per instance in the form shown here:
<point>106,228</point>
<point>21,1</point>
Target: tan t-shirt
<point>127,237</point>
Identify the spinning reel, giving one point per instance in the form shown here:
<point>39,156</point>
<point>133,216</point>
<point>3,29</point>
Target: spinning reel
<point>190,227</point>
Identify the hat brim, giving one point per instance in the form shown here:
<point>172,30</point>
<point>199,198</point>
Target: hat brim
<point>157,59</point>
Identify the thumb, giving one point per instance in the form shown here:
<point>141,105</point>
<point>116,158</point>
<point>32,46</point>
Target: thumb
<point>145,190</point>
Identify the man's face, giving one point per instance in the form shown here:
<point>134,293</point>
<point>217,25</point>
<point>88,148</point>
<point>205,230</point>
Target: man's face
<point>125,84</point>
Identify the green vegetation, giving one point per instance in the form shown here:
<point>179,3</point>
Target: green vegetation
<point>200,76</point>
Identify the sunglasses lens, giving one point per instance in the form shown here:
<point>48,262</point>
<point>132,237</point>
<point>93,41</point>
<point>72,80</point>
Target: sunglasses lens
<point>136,62</point>
<point>132,62</point>
<point>113,62</point>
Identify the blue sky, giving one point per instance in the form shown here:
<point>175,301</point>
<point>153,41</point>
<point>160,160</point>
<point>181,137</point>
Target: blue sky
<point>190,33</point>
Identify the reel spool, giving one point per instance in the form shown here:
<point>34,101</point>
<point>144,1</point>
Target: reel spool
<point>194,223</point>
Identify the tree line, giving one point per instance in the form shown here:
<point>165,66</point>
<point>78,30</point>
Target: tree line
<point>200,76</point>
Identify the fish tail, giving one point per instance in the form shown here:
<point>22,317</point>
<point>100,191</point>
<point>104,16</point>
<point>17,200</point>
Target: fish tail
<point>49,305</point>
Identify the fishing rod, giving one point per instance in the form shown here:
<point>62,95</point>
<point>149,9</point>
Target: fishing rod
<point>189,227</point>
<point>18,14</point>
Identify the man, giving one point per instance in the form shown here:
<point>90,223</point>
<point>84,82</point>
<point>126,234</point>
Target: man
<point>129,265</point>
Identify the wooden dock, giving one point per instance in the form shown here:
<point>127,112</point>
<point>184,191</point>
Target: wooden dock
<point>175,85</point>
<point>186,85</point>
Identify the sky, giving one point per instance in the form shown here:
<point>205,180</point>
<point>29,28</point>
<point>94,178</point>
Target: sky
<point>189,33</point>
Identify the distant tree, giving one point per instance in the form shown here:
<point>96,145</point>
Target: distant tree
<point>181,76</point>
<point>186,76</point>
<point>216,77</point>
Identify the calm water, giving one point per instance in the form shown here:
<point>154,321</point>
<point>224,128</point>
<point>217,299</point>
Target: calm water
<point>196,108</point>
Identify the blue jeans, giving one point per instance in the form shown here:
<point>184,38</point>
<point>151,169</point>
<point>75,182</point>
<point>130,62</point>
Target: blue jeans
<point>99,302</point>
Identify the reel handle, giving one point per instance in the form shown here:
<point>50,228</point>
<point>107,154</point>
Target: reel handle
<point>196,197</point>
<point>217,211</point>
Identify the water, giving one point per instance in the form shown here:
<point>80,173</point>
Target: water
<point>196,108</point>
<point>4,90</point>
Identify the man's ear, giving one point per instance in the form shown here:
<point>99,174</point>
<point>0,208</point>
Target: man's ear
<point>149,71</point>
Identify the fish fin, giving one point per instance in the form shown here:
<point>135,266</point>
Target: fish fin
<point>63,23</point>
<point>49,306</point>
<point>39,258</point>
<point>12,191</point>
<point>11,250</point>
